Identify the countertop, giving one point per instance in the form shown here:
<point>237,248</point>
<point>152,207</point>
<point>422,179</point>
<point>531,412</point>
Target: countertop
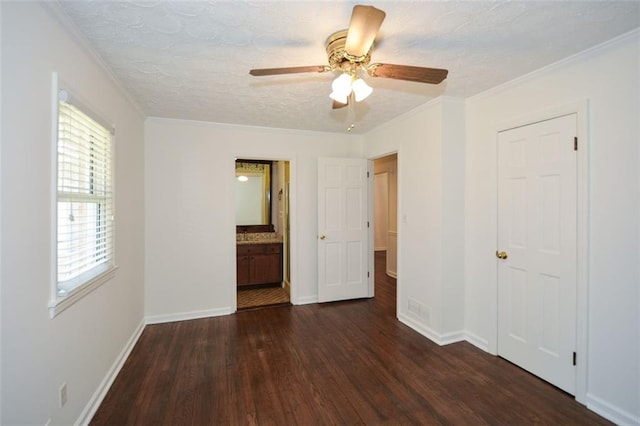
<point>258,238</point>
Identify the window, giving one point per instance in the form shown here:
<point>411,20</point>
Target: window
<point>84,200</point>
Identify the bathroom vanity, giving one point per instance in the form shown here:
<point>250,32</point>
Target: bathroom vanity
<point>259,260</point>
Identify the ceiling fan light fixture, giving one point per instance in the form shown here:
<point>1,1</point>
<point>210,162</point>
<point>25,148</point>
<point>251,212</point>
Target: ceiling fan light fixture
<point>342,85</point>
<point>361,90</point>
<point>341,88</point>
<point>339,97</point>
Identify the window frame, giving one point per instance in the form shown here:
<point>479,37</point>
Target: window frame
<point>87,281</point>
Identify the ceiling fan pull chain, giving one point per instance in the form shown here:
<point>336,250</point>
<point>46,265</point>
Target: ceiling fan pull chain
<point>351,113</point>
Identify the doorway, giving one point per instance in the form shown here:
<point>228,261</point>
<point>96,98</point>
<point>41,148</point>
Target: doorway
<point>263,237</point>
<point>385,204</point>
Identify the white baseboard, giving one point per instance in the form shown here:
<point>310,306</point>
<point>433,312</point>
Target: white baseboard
<point>452,337</point>
<point>611,412</point>
<point>184,316</point>
<point>305,300</point>
<point>97,397</point>
<point>477,341</point>
<point>440,339</point>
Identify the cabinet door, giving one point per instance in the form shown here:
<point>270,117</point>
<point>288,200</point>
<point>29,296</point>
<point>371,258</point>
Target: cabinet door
<point>242,270</point>
<point>266,268</point>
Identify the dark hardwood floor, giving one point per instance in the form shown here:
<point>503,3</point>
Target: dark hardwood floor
<point>338,363</point>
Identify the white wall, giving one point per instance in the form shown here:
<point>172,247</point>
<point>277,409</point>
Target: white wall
<point>1,143</point>
<point>190,221</point>
<point>453,165</point>
<point>389,165</point>
<point>81,344</point>
<point>429,142</point>
<point>608,78</point>
<point>381,211</point>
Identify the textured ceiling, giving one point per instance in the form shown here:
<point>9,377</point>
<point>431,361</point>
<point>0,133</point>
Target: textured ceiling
<point>191,60</point>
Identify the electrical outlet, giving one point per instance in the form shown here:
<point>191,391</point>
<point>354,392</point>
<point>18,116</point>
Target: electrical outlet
<point>63,394</point>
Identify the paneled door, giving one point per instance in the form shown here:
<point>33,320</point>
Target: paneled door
<point>537,248</point>
<point>343,233</point>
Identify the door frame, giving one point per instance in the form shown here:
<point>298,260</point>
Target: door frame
<point>581,109</point>
<point>371,159</point>
<point>293,233</point>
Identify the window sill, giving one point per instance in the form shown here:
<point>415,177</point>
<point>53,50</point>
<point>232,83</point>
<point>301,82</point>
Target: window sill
<point>61,303</point>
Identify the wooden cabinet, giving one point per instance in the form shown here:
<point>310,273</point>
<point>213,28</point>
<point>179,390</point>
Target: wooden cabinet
<point>259,264</point>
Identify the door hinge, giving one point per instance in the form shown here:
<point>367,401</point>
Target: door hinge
<point>574,358</point>
<point>367,224</point>
<point>575,143</point>
<point>367,274</point>
<point>367,174</point>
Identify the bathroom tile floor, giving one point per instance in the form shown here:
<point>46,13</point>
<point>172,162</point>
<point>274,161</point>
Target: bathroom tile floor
<point>261,297</point>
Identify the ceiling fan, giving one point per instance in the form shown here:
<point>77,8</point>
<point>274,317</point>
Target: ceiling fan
<point>349,51</point>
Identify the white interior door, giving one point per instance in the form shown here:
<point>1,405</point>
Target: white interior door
<point>343,234</point>
<point>537,216</point>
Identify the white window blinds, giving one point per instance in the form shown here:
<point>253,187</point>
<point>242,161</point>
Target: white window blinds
<point>84,198</point>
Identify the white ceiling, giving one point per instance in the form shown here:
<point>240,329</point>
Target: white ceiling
<point>191,60</point>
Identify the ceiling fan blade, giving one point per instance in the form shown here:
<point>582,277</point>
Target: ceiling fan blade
<point>364,25</point>
<point>288,70</point>
<point>409,73</point>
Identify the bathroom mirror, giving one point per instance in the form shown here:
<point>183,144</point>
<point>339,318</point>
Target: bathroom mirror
<point>253,193</point>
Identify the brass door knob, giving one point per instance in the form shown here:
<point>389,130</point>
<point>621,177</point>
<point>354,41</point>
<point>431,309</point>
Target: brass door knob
<point>501,254</point>
<point>322,237</point>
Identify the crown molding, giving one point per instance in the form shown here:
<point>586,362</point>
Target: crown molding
<point>54,9</point>
<point>569,60</point>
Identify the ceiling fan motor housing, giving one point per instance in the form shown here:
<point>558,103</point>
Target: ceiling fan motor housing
<point>339,59</point>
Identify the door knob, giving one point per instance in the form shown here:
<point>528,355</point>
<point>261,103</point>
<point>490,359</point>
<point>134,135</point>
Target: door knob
<point>322,237</point>
<point>501,254</point>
